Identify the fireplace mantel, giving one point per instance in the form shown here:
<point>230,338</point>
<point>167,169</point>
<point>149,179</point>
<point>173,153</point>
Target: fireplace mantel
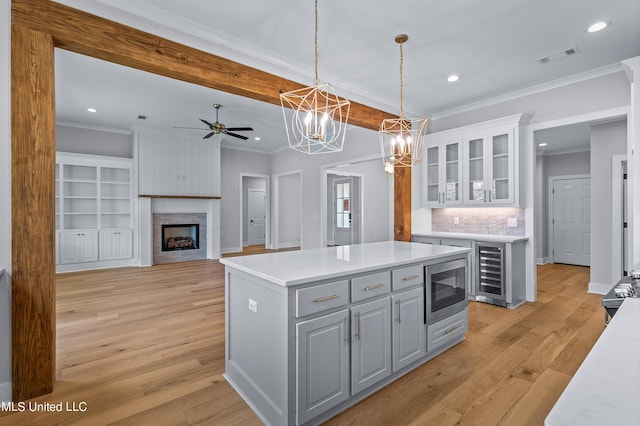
<point>195,197</point>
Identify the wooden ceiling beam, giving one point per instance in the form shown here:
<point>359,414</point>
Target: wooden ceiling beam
<point>90,35</point>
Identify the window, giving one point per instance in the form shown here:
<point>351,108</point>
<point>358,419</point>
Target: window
<point>343,205</point>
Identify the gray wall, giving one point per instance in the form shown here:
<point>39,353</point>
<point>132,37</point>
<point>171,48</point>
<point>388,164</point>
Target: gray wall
<point>577,163</point>
<point>96,142</point>
<point>607,140</point>
<point>233,163</point>
<point>359,143</point>
<point>289,208</point>
<point>5,191</point>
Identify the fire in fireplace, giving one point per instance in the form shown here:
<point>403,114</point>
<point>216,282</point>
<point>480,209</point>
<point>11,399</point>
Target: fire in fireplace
<point>180,237</point>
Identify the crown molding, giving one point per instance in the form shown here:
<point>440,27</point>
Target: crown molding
<point>572,79</point>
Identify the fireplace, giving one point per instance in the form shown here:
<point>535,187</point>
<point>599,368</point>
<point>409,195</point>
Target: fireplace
<point>180,237</point>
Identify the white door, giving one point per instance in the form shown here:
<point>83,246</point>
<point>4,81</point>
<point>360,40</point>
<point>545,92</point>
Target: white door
<point>256,215</point>
<point>342,211</point>
<point>572,221</point>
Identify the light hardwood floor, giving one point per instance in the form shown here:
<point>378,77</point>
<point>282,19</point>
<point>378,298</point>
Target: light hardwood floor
<point>146,346</point>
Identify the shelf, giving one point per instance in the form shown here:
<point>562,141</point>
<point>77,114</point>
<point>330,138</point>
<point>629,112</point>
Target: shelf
<point>196,197</point>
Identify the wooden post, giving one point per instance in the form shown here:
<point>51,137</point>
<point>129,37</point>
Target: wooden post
<point>33,213</point>
<point>402,204</point>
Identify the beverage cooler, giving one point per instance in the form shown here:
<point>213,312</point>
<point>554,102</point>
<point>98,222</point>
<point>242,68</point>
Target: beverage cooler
<point>490,273</point>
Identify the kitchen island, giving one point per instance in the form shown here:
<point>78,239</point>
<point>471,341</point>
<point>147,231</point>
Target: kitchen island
<point>309,333</point>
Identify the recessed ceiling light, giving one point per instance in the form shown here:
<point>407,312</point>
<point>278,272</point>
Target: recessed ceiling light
<point>91,109</point>
<point>597,26</point>
<point>453,77</point>
<point>257,138</point>
<point>542,144</point>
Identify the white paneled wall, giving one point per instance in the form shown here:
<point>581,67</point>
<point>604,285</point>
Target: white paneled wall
<point>170,164</point>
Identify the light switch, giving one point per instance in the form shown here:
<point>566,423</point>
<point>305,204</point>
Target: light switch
<point>253,305</point>
<point>512,222</point>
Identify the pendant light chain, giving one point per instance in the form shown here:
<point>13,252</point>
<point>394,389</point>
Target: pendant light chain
<point>316,81</point>
<point>401,82</point>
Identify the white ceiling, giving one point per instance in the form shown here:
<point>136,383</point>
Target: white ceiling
<point>493,46</point>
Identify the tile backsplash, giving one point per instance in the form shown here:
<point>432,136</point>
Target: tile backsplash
<point>490,220</point>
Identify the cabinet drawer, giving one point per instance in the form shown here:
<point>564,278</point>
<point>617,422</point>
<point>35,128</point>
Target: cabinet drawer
<point>321,297</point>
<point>456,242</point>
<point>407,277</point>
<point>425,240</point>
<point>370,286</point>
<point>447,330</point>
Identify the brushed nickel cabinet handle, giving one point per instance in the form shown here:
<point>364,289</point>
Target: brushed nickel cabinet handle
<point>398,310</point>
<point>324,299</point>
<point>358,336</point>
<point>451,330</point>
<point>411,277</point>
<point>373,287</point>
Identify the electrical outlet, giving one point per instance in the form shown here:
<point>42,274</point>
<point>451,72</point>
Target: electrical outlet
<point>512,222</point>
<point>253,305</point>
<point>456,220</point>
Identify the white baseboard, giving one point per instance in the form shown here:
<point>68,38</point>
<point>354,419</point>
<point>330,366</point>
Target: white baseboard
<point>230,250</point>
<point>599,288</point>
<point>289,245</point>
<point>5,392</point>
<point>543,260</point>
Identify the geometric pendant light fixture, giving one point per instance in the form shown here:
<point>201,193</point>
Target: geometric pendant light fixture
<point>402,138</point>
<point>315,117</point>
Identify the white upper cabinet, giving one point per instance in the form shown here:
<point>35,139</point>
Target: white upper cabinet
<point>477,165</point>
<point>442,172</point>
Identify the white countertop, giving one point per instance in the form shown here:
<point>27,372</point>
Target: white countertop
<point>475,237</point>
<point>606,388</point>
<point>302,266</point>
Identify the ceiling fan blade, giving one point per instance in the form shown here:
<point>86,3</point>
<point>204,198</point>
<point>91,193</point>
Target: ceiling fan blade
<point>235,135</point>
<point>239,129</point>
<point>207,123</point>
<point>209,135</point>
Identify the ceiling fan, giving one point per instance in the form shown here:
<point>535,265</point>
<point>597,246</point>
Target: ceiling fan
<point>217,127</point>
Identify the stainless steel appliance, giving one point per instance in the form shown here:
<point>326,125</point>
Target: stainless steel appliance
<point>446,291</point>
<point>626,287</point>
<point>490,274</point>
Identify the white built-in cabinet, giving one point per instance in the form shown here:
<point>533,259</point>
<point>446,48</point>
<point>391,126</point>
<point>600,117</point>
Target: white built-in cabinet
<point>94,211</point>
<point>171,165</point>
<point>443,172</point>
<point>476,165</point>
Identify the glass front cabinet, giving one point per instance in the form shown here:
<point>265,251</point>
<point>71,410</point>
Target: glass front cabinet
<point>489,160</point>
<point>442,173</point>
<point>475,165</point>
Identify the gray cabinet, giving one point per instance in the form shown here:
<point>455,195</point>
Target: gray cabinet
<point>408,333</point>
<point>370,343</point>
<point>322,351</point>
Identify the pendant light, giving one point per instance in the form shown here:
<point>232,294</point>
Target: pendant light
<point>401,139</point>
<point>315,117</point>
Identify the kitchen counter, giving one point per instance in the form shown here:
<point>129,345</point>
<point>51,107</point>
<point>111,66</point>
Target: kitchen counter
<point>301,266</point>
<point>475,237</point>
<point>606,388</point>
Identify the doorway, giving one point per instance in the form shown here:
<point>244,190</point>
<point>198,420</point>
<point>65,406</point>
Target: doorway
<point>571,220</point>
<point>256,216</point>
<point>344,202</point>
<point>254,208</point>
